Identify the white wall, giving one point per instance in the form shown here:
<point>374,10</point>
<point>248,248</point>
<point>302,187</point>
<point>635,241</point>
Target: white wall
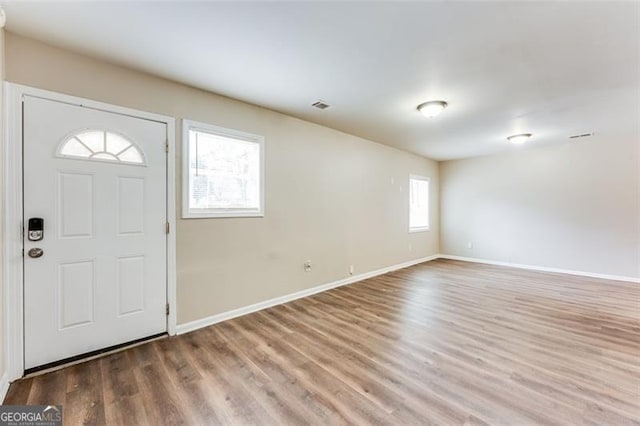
<point>329,195</point>
<point>574,206</point>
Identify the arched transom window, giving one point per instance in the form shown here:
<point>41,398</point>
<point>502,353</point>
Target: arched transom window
<point>101,145</point>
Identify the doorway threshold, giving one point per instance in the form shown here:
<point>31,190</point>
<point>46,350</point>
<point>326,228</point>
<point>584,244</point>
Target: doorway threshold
<point>78,359</point>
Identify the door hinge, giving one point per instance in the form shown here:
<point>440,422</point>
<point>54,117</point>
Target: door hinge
<point>168,309</point>
<point>166,147</point>
<point>167,227</point>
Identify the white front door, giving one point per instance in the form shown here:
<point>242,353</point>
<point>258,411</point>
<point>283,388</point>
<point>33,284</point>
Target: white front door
<point>98,182</point>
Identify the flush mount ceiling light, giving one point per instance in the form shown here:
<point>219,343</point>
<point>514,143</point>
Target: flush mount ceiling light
<point>518,139</point>
<point>432,108</point>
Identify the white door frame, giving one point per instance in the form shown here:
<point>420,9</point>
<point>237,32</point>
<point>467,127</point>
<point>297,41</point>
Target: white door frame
<point>12,226</point>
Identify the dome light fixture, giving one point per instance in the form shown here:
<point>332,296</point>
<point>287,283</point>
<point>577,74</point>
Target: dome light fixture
<point>519,139</point>
<point>432,108</point>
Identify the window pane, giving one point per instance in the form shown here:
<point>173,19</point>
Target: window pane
<point>105,156</point>
<point>74,148</point>
<point>418,203</point>
<point>224,172</point>
<point>131,155</point>
<point>116,143</point>
<point>92,145</point>
<point>94,140</point>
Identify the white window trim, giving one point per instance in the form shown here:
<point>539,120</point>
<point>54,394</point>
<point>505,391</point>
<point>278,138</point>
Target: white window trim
<point>419,228</point>
<point>188,213</point>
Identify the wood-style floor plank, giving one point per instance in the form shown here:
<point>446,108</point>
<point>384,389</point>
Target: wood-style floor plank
<point>18,392</point>
<point>444,342</point>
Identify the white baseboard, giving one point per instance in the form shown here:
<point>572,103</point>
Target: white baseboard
<point>541,268</point>
<point>4,386</point>
<point>204,322</point>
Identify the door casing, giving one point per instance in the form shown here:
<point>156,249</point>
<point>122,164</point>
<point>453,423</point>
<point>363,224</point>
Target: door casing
<point>12,224</point>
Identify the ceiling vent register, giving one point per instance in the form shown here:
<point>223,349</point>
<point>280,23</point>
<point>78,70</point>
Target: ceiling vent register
<point>583,135</point>
<point>320,105</point>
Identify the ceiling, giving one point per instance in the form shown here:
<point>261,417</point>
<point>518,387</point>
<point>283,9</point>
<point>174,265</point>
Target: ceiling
<point>553,69</point>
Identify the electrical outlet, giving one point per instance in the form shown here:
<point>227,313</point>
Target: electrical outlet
<point>469,245</point>
<point>351,269</point>
<point>307,266</point>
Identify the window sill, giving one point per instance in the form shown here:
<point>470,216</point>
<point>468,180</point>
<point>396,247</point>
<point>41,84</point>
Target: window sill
<point>221,215</point>
<point>414,230</point>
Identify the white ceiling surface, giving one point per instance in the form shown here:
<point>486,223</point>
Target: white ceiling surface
<point>550,68</point>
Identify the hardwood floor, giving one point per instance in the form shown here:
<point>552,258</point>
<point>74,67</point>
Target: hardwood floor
<point>443,342</point>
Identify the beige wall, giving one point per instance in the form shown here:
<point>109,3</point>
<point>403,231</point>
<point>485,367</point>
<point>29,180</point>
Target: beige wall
<point>329,196</point>
<point>574,206</point>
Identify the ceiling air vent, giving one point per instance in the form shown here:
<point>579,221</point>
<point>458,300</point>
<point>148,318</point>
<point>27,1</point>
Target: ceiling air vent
<point>583,135</point>
<point>320,105</point>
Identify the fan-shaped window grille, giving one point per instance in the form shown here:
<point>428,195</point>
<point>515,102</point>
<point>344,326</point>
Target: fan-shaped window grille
<point>100,145</point>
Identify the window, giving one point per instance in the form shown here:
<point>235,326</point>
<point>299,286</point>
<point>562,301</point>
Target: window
<point>418,203</point>
<point>101,145</point>
<point>223,172</point>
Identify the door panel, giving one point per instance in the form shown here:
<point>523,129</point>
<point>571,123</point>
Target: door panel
<point>131,284</point>
<point>75,295</point>
<point>101,280</point>
<point>75,205</point>
<point>130,206</point>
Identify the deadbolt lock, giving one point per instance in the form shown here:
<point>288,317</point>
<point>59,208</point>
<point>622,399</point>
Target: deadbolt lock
<point>35,231</point>
<point>35,252</point>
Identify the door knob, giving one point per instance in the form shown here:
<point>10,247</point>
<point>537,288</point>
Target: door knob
<point>35,252</point>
